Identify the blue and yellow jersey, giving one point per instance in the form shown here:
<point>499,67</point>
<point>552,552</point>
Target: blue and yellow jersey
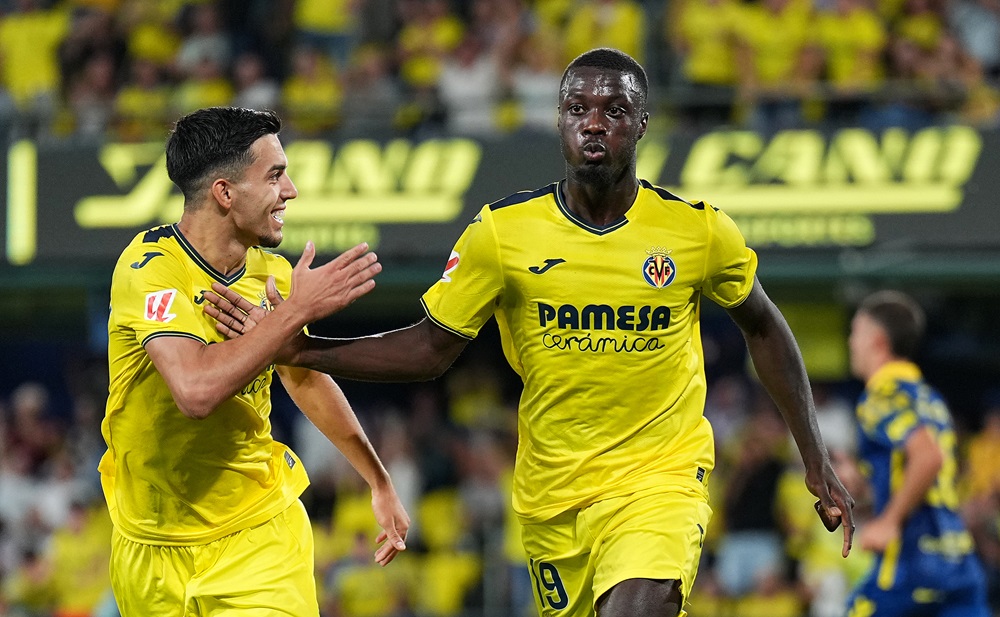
<point>169,479</point>
<point>602,325</point>
<point>934,542</point>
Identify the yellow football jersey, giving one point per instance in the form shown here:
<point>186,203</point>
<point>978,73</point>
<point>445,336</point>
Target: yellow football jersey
<point>169,479</point>
<point>602,325</point>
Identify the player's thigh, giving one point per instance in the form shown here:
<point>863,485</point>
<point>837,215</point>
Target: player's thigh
<point>558,552</point>
<point>266,570</point>
<point>149,580</point>
<point>655,535</point>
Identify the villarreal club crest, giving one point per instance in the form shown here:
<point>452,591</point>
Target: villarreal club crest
<point>658,269</point>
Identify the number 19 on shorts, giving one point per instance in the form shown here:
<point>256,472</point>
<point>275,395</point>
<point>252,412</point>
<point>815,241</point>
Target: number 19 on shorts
<point>549,585</point>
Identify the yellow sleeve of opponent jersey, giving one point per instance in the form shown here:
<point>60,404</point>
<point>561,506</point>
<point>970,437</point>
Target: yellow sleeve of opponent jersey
<point>465,296</point>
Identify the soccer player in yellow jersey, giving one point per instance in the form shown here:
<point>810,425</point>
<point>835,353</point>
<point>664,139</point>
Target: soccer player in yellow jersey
<point>596,283</point>
<point>205,503</point>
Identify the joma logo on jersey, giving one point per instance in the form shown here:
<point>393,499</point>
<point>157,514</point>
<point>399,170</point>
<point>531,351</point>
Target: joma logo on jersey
<point>658,269</point>
<point>158,305</point>
<point>604,317</point>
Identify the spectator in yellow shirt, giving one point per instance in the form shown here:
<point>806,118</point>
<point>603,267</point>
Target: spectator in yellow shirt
<point>207,86</point>
<point>775,69</point>
<point>142,105</point>
<point>852,40</point>
<point>620,24</point>
<point>311,96</point>
<point>29,68</point>
<point>329,25</point>
<point>702,35</point>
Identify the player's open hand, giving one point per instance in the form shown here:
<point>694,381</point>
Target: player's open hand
<point>323,290</point>
<point>234,314</point>
<point>316,292</point>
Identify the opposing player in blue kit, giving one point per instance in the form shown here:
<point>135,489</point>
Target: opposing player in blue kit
<point>924,562</point>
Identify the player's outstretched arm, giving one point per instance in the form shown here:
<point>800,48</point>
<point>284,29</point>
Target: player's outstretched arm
<point>416,353</point>
<point>779,365</point>
<point>201,376</point>
<point>323,402</point>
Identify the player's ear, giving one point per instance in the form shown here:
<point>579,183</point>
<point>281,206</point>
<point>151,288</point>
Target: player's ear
<point>222,192</point>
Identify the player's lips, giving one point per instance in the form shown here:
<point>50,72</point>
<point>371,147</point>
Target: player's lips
<point>279,215</point>
<point>593,151</point>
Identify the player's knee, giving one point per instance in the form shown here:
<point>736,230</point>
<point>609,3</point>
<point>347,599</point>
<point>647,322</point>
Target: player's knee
<point>642,596</point>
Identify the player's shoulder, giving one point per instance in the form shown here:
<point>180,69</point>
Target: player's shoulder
<point>666,199</point>
<point>150,244</point>
<point>885,398</point>
<point>522,198</point>
<point>267,258</point>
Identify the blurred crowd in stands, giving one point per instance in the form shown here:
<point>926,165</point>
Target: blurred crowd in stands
<point>124,69</point>
<point>449,446</point>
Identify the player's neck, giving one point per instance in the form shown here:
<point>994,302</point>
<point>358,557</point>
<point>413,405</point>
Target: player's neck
<point>218,246</point>
<point>600,204</point>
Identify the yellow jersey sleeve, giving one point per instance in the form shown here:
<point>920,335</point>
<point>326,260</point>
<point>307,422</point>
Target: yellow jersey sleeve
<point>150,295</point>
<point>730,266</point>
<point>465,296</point>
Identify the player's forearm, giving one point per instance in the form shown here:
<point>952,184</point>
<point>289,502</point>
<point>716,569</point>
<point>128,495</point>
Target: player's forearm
<point>324,403</point>
<point>416,353</point>
<point>221,370</point>
<point>362,456</point>
<point>781,370</point>
<point>923,462</point>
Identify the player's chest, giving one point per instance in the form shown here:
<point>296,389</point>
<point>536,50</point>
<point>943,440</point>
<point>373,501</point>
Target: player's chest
<point>249,286</point>
<point>650,268</point>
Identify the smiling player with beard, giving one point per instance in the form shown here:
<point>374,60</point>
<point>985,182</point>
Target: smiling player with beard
<point>596,283</point>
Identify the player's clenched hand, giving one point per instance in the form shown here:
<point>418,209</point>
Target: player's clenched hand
<point>835,500</point>
<point>394,521</point>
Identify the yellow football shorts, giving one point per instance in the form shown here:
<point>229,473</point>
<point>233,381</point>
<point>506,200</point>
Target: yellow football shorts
<point>577,556</point>
<point>264,570</point>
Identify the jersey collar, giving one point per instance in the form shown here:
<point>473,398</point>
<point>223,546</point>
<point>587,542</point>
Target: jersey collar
<point>203,264</point>
<point>897,370</point>
<point>579,222</point>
